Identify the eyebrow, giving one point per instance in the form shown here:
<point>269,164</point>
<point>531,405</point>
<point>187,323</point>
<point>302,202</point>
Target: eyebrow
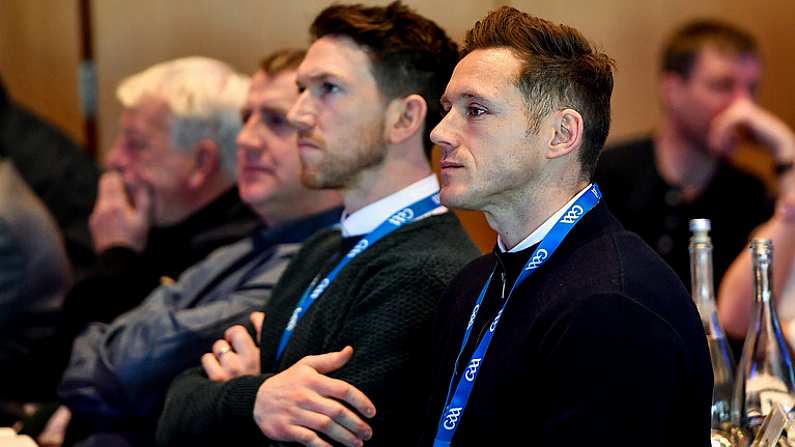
<point>318,77</point>
<point>465,95</point>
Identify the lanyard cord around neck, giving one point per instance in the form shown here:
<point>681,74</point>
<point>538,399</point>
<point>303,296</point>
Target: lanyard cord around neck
<point>456,404</point>
<point>395,221</point>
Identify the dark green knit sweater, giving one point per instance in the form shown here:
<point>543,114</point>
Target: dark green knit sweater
<point>381,304</point>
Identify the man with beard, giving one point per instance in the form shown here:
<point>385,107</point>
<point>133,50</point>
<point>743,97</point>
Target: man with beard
<point>351,315</point>
<point>709,80</point>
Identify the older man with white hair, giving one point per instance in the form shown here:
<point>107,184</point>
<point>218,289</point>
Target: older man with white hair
<point>167,200</point>
<point>169,197</point>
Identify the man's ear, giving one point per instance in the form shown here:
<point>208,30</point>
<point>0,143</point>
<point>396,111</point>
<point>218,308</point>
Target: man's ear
<point>566,133</point>
<point>405,117</point>
<point>206,162</point>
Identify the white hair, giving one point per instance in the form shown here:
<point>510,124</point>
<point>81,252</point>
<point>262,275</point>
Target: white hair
<point>204,95</point>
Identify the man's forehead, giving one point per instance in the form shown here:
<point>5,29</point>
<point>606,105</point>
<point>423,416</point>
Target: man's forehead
<point>484,73</point>
<point>150,113</point>
<point>714,60</point>
<point>334,56</point>
<point>277,91</point>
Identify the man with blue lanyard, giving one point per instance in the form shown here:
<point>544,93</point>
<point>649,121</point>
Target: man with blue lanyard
<point>573,332</point>
<point>351,315</point>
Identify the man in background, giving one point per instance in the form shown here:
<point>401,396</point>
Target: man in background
<point>57,169</point>
<point>167,201</point>
<point>709,80</point>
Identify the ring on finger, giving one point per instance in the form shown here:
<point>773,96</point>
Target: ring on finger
<point>222,351</point>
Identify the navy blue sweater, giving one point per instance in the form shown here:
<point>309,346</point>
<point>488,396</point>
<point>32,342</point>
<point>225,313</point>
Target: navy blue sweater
<point>602,345</point>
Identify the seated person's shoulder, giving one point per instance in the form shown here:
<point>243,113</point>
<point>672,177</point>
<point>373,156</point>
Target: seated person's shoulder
<point>625,152</point>
<point>627,269</point>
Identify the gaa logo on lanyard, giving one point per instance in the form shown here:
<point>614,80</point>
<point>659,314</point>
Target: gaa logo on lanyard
<point>358,248</point>
<point>472,369</point>
<point>451,418</point>
<point>320,288</point>
<point>294,319</point>
<point>572,215</point>
<point>401,217</point>
<point>496,320</point>
<point>474,314</point>
<point>537,260</point>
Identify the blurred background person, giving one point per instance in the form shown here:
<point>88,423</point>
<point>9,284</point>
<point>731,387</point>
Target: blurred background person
<point>58,170</point>
<point>735,295</point>
<point>709,79</point>
<point>34,276</point>
<point>166,202</point>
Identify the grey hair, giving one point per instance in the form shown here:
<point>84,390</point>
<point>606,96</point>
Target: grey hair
<point>205,97</point>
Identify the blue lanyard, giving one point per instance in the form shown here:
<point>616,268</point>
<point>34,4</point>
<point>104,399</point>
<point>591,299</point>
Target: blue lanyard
<point>454,407</point>
<point>314,291</point>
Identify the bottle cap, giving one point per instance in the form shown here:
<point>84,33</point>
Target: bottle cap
<point>700,225</point>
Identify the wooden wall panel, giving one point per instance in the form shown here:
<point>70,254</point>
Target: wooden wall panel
<point>39,54</point>
<point>39,47</point>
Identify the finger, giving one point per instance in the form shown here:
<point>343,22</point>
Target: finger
<point>340,414</point>
<point>241,341</point>
<point>332,361</point>
<point>321,423</point>
<point>344,391</point>
<point>142,198</point>
<point>213,368</point>
<point>721,126</point>
<point>307,437</point>
<point>221,347</point>
<point>111,187</point>
<point>257,318</point>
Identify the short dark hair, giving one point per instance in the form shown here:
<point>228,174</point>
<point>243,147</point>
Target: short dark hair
<point>560,69</point>
<point>681,49</point>
<point>409,54</point>
<point>282,60</point>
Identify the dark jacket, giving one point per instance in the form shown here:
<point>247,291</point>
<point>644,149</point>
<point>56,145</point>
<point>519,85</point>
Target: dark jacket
<point>34,277</point>
<point>57,169</point>
<point>735,201</point>
<point>380,304</point>
<point>600,346</point>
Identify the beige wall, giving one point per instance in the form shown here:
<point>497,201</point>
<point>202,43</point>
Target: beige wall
<point>38,46</point>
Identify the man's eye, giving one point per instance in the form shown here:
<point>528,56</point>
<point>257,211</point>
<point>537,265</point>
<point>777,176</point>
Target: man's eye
<point>245,115</point>
<point>474,111</point>
<point>301,89</point>
<point>274,120</point>
<point>328,87</point>
<point>722,85</point>
<point>135,146</point>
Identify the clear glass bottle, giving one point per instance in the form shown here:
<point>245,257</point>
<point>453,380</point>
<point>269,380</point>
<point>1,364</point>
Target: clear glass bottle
<point>765,374</point>
<point>702,289</point>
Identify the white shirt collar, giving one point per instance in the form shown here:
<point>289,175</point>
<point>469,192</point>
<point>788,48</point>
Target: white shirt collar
<point>368,218</point>
<point>540,232</point>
